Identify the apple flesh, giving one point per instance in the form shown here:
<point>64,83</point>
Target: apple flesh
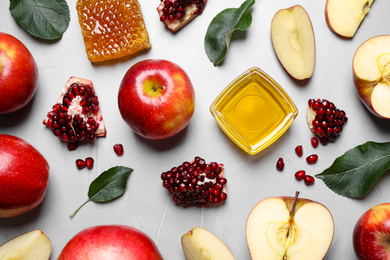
<point>156,99</point>
<point>33,245</point>
<point>110,242</point>
<point>345,16</point>
<point>289,228</point>
<point>24,175</point>
<point>18,74</point>
<point>200,243</point>
<point>293,41</point>
<point>371,234</point>
<point>371,74</point>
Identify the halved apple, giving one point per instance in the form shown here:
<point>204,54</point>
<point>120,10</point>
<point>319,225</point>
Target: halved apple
<point>202,244</point>
<point>293,41</point>
<point>33,245</point>
<point>345,16</point>
<point>289,228</point>
<point>371,74</point>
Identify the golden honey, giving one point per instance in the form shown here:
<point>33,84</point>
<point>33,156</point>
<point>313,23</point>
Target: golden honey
<point>254,111</point>
<point>112,28</point>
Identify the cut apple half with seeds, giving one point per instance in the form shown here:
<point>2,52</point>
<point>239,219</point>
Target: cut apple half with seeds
<point>200,243</point>
<point>33,245</point>
<point>345,16</point>
<point>293,41</point>
<point>371,75</point>
<point>289,228</point>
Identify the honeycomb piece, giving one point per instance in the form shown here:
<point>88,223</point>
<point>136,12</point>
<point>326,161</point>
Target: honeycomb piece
<point>112,28</point>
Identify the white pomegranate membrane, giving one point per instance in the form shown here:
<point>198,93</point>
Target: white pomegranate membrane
<point>196,183</point>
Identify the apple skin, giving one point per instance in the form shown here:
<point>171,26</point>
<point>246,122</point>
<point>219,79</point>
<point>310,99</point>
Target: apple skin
<point>18,74</point>
<point>108,242</point>
<point>372,233</point>
<point>156,99</point>
<point>24,175</point>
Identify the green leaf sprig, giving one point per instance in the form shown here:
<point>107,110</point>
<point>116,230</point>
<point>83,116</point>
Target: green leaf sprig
<point>107,186</point>
<point>46,19</point>
<point>221,28</point>
<point>354,173</point>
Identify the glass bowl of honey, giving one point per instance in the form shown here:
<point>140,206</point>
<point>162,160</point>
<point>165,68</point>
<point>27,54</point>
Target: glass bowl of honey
<point>254,110</point>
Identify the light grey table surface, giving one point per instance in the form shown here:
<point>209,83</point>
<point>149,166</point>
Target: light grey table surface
<point>146,205</point>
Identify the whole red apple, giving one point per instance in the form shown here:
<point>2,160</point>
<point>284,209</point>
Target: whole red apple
<point>109,242</point>
<point>156,99</point>
<point>371,234</point>
<point>24,175</point>
<point>18,74</point>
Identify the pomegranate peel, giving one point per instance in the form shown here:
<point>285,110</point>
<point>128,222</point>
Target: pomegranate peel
<point>76,115</point>
<point>175,14</point>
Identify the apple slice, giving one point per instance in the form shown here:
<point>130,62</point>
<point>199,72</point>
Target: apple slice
<point>293,41</point>
<point>371,74</point>
<point>200,243</point>
<point>289,228</point>
<point>345,16</point>
<point>33,245</point>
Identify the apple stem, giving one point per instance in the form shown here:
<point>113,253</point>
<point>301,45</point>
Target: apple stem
<point>155,88</point>
<point>77,210</point>
<point>292,213</point>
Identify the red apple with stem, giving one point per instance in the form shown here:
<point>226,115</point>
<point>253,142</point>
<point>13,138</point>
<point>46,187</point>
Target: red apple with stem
<point>18,74</point>
<point>156,99</point>
<point>371,234</point>
<point>24,175</point>
<point>110,242</point>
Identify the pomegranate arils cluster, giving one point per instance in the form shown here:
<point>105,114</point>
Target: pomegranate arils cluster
<point>196,183</point>
<point>325,120</point>
<point>76,115</point>
<point>177,13</point>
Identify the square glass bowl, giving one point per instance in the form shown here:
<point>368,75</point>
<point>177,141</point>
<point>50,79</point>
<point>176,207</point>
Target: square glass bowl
<point>254,110</point>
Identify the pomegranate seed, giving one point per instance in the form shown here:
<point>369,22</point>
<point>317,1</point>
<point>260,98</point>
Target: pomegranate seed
<point>300,175</point>
<point>80,164</point>
<point>299,150</point>
<point>72,146</point>
<point>309,180</point>
<point>314,142</point>
<point>118,148</point>
<point>280,164</point>
<point>311,159</point>
<point>89,162</point>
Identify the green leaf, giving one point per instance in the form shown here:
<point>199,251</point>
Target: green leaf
<point>107,186</point>
<point>354,173</point>
<point>47,19</point>
<point>221,28</point>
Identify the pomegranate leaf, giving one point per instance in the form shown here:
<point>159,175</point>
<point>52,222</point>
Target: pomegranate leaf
<point>221,28</point>
<point>355,172</point>
<point>107,186</point>
<point>46,19</point>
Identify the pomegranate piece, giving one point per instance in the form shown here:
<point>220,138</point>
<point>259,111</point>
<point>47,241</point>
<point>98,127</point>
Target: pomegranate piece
<point>314,142</point>
<point>280,164</point>
<point>312,159</point>
<point>325,120</point>
<point>76,115</point>
<point>89,162</point>
<point>299,150</point>
<point>309,180</point>
<point>300,175</point>
<point>80,164</point>
<point>196,183</point>
<point>175,14</point>
<point>118,149</point>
